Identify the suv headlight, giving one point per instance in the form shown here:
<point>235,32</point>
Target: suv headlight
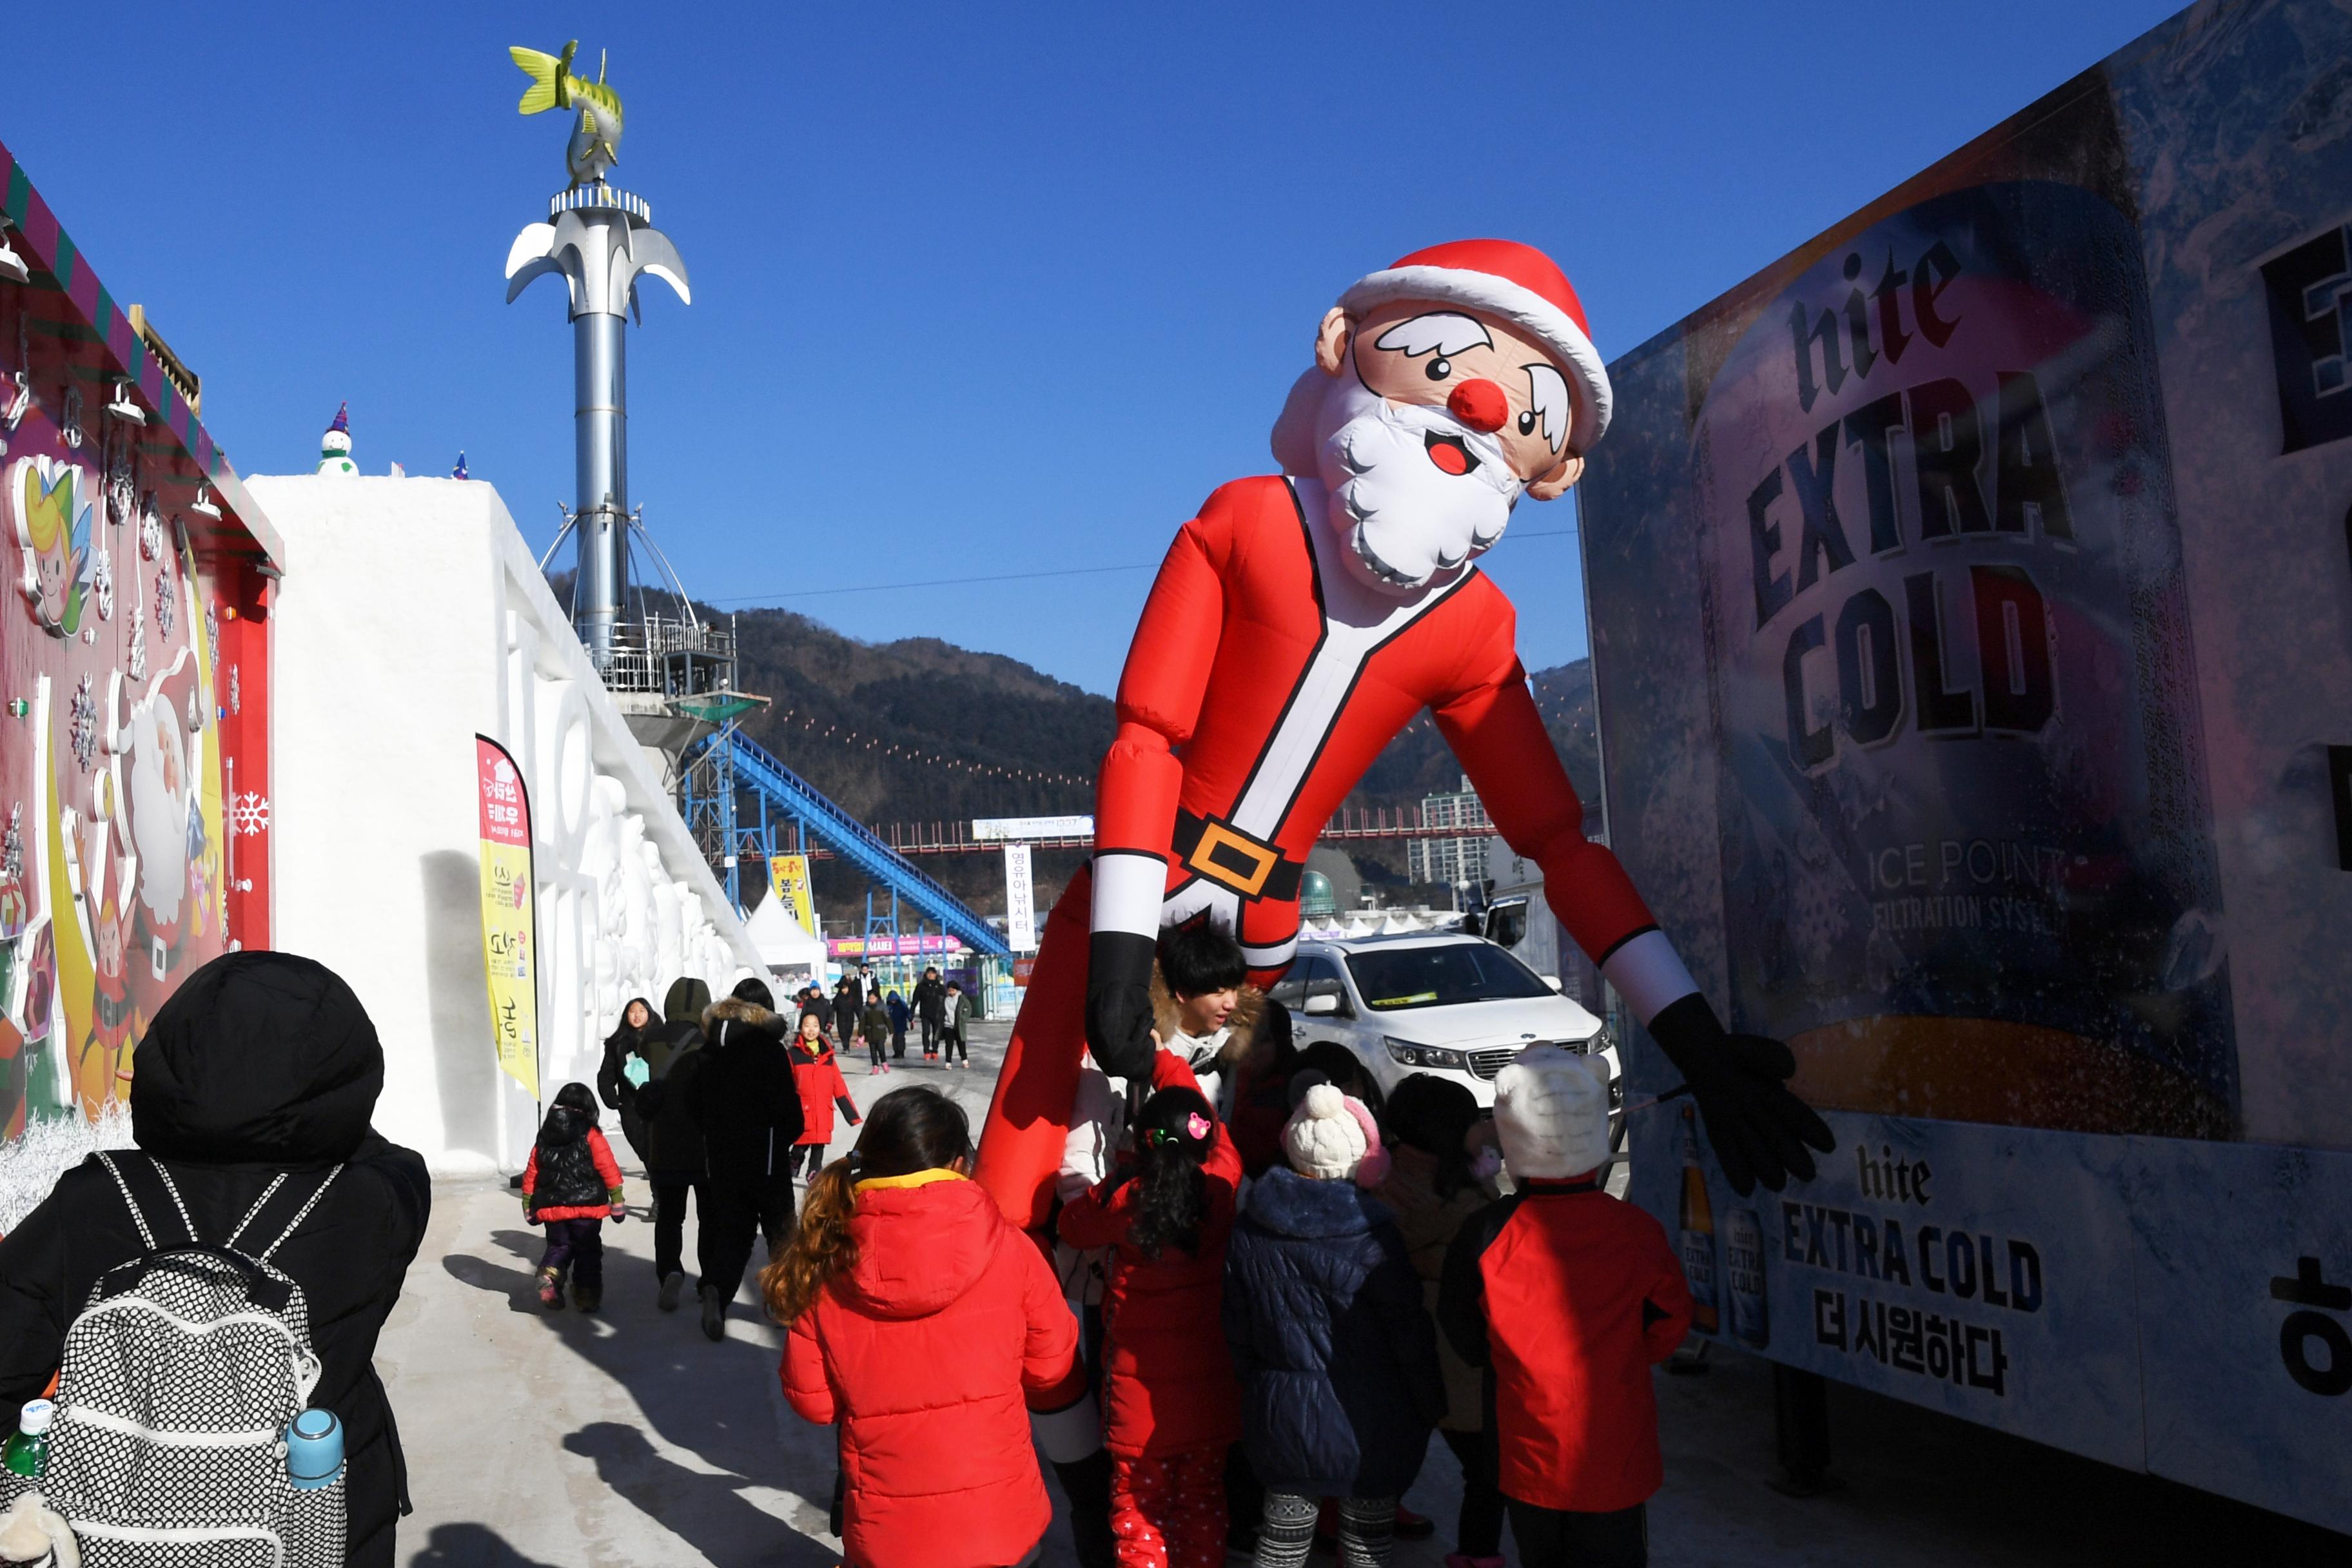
<point>1601,1040</point>
<point>1407,1053</point>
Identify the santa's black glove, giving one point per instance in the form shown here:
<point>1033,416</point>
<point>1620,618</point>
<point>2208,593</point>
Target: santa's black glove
<point>1759,1128</point>
<point>1118,1003</point>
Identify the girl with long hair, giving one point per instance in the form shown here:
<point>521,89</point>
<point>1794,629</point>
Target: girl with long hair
<point>1170,1409</point>
<point>927,1327</point>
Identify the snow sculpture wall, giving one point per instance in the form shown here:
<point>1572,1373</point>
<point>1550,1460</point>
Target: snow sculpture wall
<point>413,616</point>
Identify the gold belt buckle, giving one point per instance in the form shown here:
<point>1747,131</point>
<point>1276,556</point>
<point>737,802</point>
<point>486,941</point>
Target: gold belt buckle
<point>1216,840</point>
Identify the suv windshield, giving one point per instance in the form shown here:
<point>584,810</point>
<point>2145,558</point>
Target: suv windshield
<point>1395,978</point>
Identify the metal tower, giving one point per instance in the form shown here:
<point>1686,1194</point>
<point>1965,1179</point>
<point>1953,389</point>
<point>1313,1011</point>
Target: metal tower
<point>598,240</point>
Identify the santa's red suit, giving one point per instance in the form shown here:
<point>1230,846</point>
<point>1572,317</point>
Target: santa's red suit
<point>1265,676</point>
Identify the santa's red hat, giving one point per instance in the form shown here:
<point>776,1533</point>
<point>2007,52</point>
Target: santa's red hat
<point>1515,282</point>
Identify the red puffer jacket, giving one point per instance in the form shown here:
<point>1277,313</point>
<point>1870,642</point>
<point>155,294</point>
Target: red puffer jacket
<point>1168,1378</point>
<point>1573,1297</point>
<point>817,1076</point>
<point>929,1352</point>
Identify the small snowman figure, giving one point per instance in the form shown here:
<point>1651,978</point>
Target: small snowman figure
<point>335,447</point>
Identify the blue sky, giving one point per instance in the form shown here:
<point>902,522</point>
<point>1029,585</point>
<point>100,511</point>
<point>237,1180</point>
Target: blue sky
<point>978,290</point>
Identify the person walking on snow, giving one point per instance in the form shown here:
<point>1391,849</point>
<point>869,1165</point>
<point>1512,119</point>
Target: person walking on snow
<point>930,1007</point>
<point>1569,1298</point>
<point>955,1011</point>
<point>848,1006</point>
<point>1170,1406</point>
<point>572,1185</point>
<point>900,1016</point>
<point>1337,1360</point>
<point>672,1150</point>
<point>874,1023</point>
<point>262,1067</point>
<point>625,1071</point>
<point>927,1328</point>
<point>817,1075</point>
<point>748,1105</point>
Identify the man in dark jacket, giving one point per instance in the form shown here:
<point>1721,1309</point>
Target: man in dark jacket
<point>261,1064</point>
<point>748,1107</point>
<point>930,1007</point>
<point>849,1005</point>
<point>673,1149</point>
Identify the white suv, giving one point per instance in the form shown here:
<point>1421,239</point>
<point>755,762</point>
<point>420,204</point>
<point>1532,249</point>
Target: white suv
<point>1441,1002</point>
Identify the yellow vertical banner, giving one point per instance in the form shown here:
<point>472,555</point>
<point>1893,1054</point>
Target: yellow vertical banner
<point>788,879</point>
<point>509,928</point>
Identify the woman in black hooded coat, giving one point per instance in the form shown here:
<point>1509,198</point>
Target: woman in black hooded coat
<point>260,1063</point>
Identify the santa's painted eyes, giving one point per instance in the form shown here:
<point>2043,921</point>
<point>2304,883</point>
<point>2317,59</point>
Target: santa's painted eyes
<point>1527,422</point>
<point>1439,369</point>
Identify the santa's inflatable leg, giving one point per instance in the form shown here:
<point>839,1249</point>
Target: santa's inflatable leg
<point>1028,1120</point>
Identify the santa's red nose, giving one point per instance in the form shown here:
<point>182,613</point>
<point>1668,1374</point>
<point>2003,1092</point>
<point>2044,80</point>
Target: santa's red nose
<point>1480,405</point>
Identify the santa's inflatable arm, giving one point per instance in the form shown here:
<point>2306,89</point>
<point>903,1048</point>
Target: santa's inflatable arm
<point>1137,789</point>
<point>1759,1128</point>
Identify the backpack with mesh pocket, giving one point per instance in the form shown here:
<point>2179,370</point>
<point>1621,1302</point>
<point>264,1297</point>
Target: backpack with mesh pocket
<point>179,1377</point>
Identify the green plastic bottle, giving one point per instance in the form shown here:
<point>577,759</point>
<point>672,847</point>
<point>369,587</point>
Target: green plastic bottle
<point>29,1450</point>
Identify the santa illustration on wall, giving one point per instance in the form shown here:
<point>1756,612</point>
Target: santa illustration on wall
<point>1301,621</point>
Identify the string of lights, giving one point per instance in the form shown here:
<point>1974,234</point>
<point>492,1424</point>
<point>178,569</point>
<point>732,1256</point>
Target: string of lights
<point>901,749</point>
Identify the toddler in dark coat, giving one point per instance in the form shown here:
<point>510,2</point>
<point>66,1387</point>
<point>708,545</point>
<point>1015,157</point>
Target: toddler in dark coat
<point>1336,1358</point>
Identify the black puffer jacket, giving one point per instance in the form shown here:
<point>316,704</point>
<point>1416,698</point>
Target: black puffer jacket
<point>260,1063</point>
<point>744,1097</point>
<point>673,1049</point>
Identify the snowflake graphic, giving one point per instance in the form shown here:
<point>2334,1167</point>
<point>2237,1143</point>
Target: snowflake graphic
<point>151,532</point>
<point>249,814</point>
<point>11,848</point>
<point>121,486</point>
<point>82,724</point>
<point>165,609</point>
<point>138,659</point>
<point>235,697</point>
<point>211,630</point>
<point>101,580</point>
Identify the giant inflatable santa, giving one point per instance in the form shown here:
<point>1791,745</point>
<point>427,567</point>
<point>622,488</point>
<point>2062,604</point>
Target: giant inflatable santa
<point>1296,625</point>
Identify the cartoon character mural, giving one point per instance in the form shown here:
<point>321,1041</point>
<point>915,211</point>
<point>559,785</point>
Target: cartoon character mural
<point>1301,621</point>
<point>113,884</point>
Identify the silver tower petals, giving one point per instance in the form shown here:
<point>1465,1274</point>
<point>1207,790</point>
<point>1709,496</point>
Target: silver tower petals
<point>598,240</point>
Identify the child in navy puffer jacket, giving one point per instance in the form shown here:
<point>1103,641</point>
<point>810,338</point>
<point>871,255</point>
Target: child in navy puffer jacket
<point>1336,1358</point>
<point>572,1185</point>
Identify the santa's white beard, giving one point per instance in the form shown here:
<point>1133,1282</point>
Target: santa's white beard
<point>159,817</point>
<point>1404,520</point>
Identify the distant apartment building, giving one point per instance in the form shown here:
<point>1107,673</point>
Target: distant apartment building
<point>1451,861</point>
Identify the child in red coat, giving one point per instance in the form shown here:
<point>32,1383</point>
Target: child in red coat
<point>1170,1407</point>
<point>928,1328</point>
<point>1571,1297</point>
<point>569,1185</point>
<point>817,1076</point>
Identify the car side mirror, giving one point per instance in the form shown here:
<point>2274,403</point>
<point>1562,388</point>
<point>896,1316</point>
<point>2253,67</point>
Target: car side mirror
<point>1324,1006</point>
<point>1553,981</point>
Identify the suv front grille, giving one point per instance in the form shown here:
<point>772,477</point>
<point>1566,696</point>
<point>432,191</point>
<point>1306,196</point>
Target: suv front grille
<point>1486,1064</point>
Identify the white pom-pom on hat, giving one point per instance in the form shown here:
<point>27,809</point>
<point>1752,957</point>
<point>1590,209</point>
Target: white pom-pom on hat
<point>1551,1112</point>
<point>1323,1138</point>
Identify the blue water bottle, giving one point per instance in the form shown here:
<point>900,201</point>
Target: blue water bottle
<point>314,1450</point>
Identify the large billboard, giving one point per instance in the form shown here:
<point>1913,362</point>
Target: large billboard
<point>1972,622</point>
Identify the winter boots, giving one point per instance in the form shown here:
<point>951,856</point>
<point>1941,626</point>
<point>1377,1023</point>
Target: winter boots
<point>551,1289</point>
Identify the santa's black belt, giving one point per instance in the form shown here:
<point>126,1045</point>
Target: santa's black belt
<point>1232,859</point>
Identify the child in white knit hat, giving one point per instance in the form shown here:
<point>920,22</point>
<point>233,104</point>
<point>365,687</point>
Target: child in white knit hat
<point>1338,1362</point>
<point>1571,1297</point>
